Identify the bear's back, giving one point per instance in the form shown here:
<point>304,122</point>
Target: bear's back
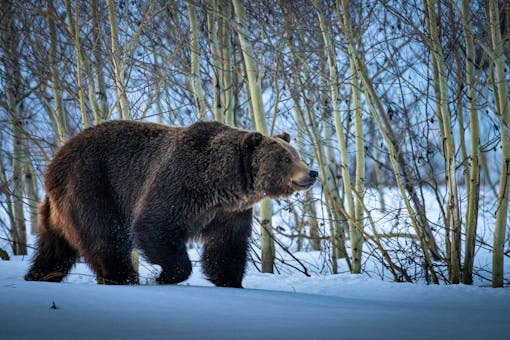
<point>114,141</point>
<point>122,155</point>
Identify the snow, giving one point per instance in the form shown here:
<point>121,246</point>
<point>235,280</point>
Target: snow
<point>287,306</point>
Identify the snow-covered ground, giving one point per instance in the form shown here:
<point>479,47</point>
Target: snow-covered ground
<point>286,306</point>
<point>290,306</point>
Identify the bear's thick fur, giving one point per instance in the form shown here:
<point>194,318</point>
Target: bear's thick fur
<point>127,184</point>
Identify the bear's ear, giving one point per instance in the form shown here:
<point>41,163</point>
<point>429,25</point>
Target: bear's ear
<point>285,136</point>
<point>252,140</point>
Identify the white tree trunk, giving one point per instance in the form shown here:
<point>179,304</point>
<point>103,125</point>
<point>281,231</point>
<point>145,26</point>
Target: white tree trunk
<point>266,208</point>
<point>198,91</point>
<point>118,63</point>
<point>503,111</point>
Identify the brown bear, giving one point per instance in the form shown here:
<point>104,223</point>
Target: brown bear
<point>125,184</point>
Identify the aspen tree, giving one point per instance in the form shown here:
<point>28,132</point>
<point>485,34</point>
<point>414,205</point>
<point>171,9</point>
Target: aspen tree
<point>356,237</point>
<point>14,96</point>
<point>103,110</point>
<point>255,91</point>
<point>503,111</point>
<point>474,174</point>
<point>360,164</point>
<point>75,35</point>
<point>198,91</point>
<point>227,54</point>
<point>213,27</point>
<point>118,64</point>
<point>379,115</point>
<point>453,214</point>
<point>323,151</point>
<point>31,187</point>
<point>55,81</point>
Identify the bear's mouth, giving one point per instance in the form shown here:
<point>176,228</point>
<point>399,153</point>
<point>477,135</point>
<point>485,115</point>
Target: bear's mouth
<point>303,185</point>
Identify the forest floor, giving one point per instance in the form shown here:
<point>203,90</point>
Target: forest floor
<point>287,306</point>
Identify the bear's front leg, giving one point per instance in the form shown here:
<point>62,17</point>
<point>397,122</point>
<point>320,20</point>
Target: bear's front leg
<point>178,268</point>
<point>165,245</point>
<point>226,248</point>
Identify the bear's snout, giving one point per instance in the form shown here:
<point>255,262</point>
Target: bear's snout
<point>304,179</point>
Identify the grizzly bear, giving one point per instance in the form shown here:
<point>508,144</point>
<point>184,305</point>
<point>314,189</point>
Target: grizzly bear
<point>122,185</point>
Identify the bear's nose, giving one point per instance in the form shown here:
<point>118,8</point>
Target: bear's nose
<point>314,174</point>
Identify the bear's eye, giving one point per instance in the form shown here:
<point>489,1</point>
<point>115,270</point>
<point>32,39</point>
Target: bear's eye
<point>287,159</point>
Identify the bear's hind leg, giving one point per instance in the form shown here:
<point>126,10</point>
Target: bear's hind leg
<point>226,248</point>
<point>105,241</point>
<point>54,256</point>
<point>53,260</point>
<point>109,252</point>
<point>113,267</point>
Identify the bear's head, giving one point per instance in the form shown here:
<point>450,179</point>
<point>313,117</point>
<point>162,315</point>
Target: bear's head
<point>275,167</point>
